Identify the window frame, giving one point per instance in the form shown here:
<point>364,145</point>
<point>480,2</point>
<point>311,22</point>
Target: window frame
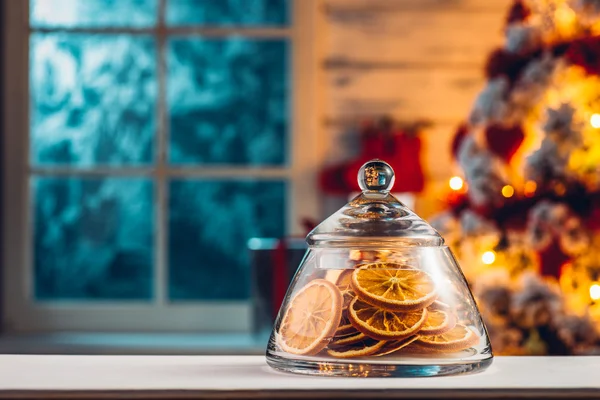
<point>20,312</point>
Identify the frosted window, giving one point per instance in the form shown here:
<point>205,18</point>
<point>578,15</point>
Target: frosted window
<point>228,101</point>
<point>93,238</point>
<point>93,13</point>
<point>93,99</point>
<point>210,223</point>
<point>227,12</point>
<point>94,109</point>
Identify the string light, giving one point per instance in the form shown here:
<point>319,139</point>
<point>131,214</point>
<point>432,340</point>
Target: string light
<point>595,292</point>
<point>560,189</point>
<point>508,191</point>
<point>456,183</point>
<point>529,188</point>
<point>595,121</point>
<point>489,257</point>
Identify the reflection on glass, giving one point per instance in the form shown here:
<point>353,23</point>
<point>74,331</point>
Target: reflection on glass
<point>228,101</point>
<point>93,99</point>
<point>93,238</point>
<point>228,12</point>
<point>210,223</point>
<point>93,13</point>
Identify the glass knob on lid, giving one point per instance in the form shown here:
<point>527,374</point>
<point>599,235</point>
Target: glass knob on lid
<point>374,214</point>
<point>376,175</point>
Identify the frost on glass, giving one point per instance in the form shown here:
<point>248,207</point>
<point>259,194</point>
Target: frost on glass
<point>228,12</point>
<point>228,101</point>
<point>93,13</point>
<point>210,223</point>
<point>93,99</point>
<point>93,238</point>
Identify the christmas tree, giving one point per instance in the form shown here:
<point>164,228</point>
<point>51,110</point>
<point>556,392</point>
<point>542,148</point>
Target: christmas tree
<point>524,212</point>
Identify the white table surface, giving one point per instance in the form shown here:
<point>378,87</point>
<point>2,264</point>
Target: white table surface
<point>55,376</point>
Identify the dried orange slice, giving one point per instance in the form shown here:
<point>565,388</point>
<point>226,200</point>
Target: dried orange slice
<point>344,283</point>
<point>366,347</point>
<point>414,348</point>
<point>394,287</point>
<point>312,317</point>
<point>345,328</point>
<point>395,345</point>
<point>438,322</point>
<point>383,324</point>
<point>458,338</point>
<point>347,340</point>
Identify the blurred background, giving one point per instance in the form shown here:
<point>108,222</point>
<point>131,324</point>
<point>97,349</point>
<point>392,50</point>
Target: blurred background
<point>163,159</point>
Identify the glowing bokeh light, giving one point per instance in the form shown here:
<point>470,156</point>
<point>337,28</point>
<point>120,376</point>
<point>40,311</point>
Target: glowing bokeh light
<point>508,191</point>
<point>489,257</point>
<point>595,292</point>
<point>529,188</point>
<point>595,121</point>
<point>456,183</point>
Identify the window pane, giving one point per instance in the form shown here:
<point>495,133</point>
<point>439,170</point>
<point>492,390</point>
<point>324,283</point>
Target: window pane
<point>93,13</point>
<point>228,12</point>
<point>93,99</point>
<point>93,238</point>
<point>228,101</point>
<point>209,225</point>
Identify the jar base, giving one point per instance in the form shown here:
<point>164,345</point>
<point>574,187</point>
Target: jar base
<point>378,370</point>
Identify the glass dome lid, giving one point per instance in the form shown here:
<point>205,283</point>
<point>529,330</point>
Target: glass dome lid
<point>378,294</point>
<point>375,217</point>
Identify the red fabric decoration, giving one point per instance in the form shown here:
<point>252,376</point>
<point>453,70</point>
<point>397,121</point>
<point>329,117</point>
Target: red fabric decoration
<point>407,164</point>
<point>504,141</point>
<point>459,136</point>
<point>586,53</point>
<point>373,140</point>
<point>332,179</point>
<point>518,12</point>
<point>400,149</point>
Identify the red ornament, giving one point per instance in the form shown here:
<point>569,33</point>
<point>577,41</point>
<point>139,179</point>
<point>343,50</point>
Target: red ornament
<point>552,259</point>
<point>592,221</point>
<point>518,12</point>
<point>504,141</point>
<point>586,53</point>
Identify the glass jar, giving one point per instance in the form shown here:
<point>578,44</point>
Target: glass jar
<point>378,294</point>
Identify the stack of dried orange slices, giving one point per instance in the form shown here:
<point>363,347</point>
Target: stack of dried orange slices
<point>373,310</point>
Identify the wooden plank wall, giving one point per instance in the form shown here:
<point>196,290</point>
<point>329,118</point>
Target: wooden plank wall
<point>411,59</point>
